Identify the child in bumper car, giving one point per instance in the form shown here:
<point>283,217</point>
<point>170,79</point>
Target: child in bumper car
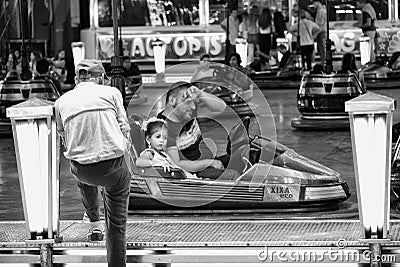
<point>156,135</point>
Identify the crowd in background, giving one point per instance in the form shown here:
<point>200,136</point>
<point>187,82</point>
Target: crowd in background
<point>261,26</point>
<point>56,66</point>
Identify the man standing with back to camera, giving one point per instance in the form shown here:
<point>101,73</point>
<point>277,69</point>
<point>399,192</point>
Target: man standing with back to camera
<point>93,125</point>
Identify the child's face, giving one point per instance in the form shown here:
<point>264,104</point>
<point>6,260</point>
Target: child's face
<point>233,61</point>
<point>158,140</point>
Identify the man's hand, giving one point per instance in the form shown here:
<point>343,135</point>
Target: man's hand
<point>193,93</point>
<point>217,164</point>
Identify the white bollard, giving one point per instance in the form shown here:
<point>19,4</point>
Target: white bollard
<point>371,117</point>
<point>365,49</point>
<point>37,149</point>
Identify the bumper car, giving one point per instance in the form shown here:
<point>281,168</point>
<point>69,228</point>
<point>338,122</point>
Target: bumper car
<point>321,99</point>
<point>13,92</point>
<point>277,79</point>
<point>275,179</point>
<point>379,75</point>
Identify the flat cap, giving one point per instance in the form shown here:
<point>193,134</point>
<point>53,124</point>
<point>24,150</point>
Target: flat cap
<point>91,66</point>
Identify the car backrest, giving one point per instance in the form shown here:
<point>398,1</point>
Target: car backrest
<point>331,84</point>
<point>137,134</point>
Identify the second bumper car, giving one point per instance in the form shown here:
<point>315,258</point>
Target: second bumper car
<point>321,99</point>
<point>276,79</point>
<point>379,76</point>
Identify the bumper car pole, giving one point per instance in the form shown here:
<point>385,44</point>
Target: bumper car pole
<point>117,79</point>
<point>328,44</point>
<point>227,41</point>
<point>26,74</point>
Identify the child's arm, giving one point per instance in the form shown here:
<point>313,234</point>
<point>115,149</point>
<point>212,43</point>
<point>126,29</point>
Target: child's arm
<point>145,159</point>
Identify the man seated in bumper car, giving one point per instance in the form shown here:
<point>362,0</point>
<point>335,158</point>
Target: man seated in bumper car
<point>185,104</point>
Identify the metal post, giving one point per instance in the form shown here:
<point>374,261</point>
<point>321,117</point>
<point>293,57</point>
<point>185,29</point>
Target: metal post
<point>328,44</point>
<point>227,42</point>
<point>117,79</point>
<point>26,73</point>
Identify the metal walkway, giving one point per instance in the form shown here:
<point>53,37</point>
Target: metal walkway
<point>166,242</point>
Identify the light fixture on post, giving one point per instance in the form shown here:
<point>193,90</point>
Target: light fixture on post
<point>159,55</point>
<point>371,119</point>
<point>241,49</point>
<point>78,52</point>
<point>365,49</point>
<point>37,150</point>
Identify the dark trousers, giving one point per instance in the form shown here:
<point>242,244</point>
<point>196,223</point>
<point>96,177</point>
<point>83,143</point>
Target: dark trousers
<point>321,41</point>
<point>230,173</point>
<point>264,41</point>
<point>306,55</point>
<point>115,178</point>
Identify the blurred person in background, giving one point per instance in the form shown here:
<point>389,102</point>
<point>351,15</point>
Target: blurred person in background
<point>34,57</point>
<point>265,31</point>
<point>59,65</point>
<point>203,70</point>
<point>132,75</point>
<point>279,27</point>
<point>233,28</point>
<point>43,73</point>
<point>252,33</point>
<point>12,63</point>
<point>321,21</point>
<point>368,25</point>
<point>349,66</point>
<point>308,32</point>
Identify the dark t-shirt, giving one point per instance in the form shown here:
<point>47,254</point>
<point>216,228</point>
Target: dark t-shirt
<point>284,60</point>
<point>133,74</point>
<point>365,17</point>
<point>187,138</point>
<point>56,83</point>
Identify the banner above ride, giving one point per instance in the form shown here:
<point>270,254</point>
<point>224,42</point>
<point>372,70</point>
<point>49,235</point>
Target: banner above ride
<point>188,46</point>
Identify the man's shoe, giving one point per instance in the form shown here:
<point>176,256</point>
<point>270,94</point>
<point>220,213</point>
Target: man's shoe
<point>95,235</point>
<point>96,232</point>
